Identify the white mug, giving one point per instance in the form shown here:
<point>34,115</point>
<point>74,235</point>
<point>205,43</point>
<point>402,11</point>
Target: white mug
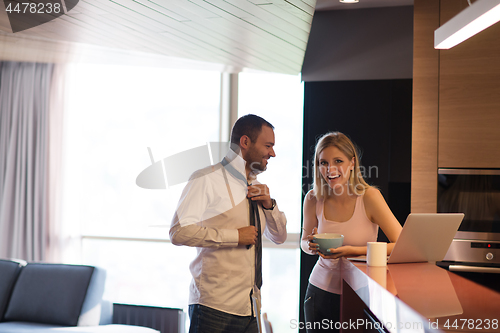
<point>376,253</point>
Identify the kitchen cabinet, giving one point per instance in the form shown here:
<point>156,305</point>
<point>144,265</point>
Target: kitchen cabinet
<point>469,98</point>
<point>456,101</point>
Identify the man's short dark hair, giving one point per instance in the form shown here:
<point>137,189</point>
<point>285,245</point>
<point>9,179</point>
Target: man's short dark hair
<point>249,125</point>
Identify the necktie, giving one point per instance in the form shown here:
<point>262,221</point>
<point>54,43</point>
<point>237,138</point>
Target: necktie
<point>255,220</point>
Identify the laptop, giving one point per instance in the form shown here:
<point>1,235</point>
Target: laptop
<point>425,237</point>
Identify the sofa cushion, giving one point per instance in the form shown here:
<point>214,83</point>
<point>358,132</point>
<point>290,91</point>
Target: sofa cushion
<point>92,306</point>
<point>21,327</point>
<point>49,293</point>
<point>24,327</point>
<point>9,271</point>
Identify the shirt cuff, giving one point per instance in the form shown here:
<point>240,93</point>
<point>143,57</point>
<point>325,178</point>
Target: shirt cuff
<point>275,212</point>
<point>230,237</point>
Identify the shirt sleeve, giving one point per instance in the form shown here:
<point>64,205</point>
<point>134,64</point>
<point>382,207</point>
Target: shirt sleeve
<point>186,227</point>
<point>275,225</point>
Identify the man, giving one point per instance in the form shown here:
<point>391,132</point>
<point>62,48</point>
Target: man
<point>223,211</point>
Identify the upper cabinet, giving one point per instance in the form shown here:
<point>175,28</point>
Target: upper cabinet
<point>456,101</point>
<point>469,98</point>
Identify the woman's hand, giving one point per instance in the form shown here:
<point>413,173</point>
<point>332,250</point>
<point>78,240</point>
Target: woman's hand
<point>342,251</point>
<point>310,238</point>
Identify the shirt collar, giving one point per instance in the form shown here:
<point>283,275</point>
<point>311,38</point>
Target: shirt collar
<point>236,161</point>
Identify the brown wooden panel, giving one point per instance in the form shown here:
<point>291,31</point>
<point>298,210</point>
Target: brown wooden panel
<point>425,108</point>
<point>469,98</point>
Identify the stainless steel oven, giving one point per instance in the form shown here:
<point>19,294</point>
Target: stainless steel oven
<point>475,192</point>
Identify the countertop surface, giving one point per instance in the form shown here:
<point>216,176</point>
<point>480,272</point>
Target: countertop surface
<point>422,297</point>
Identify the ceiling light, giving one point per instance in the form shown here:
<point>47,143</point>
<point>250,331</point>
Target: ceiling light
<point>348,1</point>
<point>475,18</point>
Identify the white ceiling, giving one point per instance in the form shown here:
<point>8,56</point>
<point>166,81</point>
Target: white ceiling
<point>268,35</point>
<point>228,35</point>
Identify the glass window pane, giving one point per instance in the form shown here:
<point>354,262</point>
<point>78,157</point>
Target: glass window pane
<point>280,287</point>
<point>139,272</point>
<point>115,113</point>
<point>279,99</point>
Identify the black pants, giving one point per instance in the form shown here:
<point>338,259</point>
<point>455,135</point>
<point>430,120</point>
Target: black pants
<point>208,320</point>
<point>321,310</point>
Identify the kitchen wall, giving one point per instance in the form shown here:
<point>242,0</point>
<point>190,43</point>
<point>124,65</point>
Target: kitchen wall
<point>376,115</point>
<point>360,44</point>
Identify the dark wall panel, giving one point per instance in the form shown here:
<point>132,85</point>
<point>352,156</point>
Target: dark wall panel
<point>361,44</point>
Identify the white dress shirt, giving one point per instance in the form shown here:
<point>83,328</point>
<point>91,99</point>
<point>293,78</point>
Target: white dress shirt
<point>212,207</point>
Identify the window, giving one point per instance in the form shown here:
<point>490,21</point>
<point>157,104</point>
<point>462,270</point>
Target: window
<point>114,114</point>
<point>279,99</point>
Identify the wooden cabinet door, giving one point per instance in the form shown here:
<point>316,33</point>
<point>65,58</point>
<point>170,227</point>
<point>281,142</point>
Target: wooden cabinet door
<point>469,98</point>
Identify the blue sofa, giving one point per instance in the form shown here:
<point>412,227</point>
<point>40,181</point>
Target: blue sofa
<point>55,298</point>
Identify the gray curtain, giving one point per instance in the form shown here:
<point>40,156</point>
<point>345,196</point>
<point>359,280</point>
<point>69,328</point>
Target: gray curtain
<point>24,163</point>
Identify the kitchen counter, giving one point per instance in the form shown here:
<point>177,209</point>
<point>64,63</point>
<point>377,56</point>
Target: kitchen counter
<point>417,297</point>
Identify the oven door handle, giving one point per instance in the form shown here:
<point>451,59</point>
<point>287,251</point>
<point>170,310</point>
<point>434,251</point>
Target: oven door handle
<point>474,269</point>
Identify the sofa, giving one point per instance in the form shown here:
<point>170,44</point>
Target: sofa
<point>55,298</point>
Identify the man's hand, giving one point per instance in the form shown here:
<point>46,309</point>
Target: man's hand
<point>260,192</point>
<point>247,235</point>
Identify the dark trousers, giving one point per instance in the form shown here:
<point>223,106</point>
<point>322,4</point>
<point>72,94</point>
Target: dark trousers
<point>321,310</point>
<point>208,320</point>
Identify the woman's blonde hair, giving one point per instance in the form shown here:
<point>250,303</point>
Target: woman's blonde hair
<point>339,140</point>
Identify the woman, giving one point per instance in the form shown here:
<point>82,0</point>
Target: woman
<point>340,202</point>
